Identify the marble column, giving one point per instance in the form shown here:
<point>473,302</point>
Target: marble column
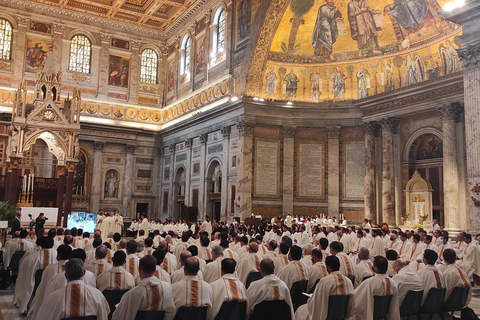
<point>68,192</point>
<point>388,175</point>
<point>333,135</point>
<point>128,181</point>
<point>203,173</point>
<point>397,171</point>
<point>450,169</point>
<point>58,29</point>
<point>243,202</point>
<point>173,191</point>
<point>188,171</point>
<point>462,173</point>
<point>369,181</point>
<point>225,172</point>
<point>157,183</point>
<point>135,71</point>
<point>288,169</point>
<point>104,63</point>
<point>97,186</point>
<point>60,190</point>
<point>18,45</point>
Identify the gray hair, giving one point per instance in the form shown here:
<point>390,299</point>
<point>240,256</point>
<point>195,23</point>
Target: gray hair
<point>217,250</point>
<point>140,246</point>
<point>363,253</point>
<point>101,251</point>
<point>74,269</point>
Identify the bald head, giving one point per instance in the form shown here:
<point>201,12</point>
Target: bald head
<point>398,265</point>
<point>267,267</point>
<point>184,256</point>
<point>253,247</point>
<point>191,266</point>
<point>363,253</point>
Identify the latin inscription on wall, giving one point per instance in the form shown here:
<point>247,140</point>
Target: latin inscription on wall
<point>266,168</point>
<point>310,170</point>
<point>354,170</point>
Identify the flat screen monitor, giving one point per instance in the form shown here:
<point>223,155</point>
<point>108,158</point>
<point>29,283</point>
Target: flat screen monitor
<point>82,220</point>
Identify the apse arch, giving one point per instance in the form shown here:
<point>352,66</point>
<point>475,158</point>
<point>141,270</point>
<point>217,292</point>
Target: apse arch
<point>417,134</point>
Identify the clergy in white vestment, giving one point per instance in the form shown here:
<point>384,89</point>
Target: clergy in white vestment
<point>206,226</point>
<point>445,244</point>
<point>204,251</point>
<point>192,291</point>
<point>151,294</point>
<point>378,285</point>
<point>453,275</point>
<point>227,287</point>
<point>406,280</point>
<point>59,281</point>
<point>334,284</point>
<point>118,222</point>
<point>179,274</point>
<point>144,224</point>
<point>317,270</point>
<point>159,272</point>
<point>307,254</point>
<point>63,253</point>
<point>75,300</point>
<point>131,265</point>
<point>471,254</point>
<point>26,274</point>
<point>269,288</point>
<point>117,278</point>
<point>21,244</point>
<point>249,262</point>
<point>416,250</point>
<point>227,252</point>
<point>182,246</point>
<point>393,243</point>
<point>404,247</point>
<point>281,260</point>
<point>213,270</point>
<point>359,242</point>
<point>347,267</point>
<point>100,264</point>
<point>376,247</point>
<point>430,276</point>
<point>364,267</point>
<point>296,270</point>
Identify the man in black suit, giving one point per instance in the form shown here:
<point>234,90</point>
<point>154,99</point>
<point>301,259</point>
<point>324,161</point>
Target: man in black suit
<point>16,223</point>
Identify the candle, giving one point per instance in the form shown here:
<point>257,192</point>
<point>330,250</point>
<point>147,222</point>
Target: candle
<point>33,179</point>
<point>24,183</point>
<point>76,191</point>
<point>28,184</point>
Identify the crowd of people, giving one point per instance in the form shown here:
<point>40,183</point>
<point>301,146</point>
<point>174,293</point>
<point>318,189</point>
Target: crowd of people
<point>206,264</point>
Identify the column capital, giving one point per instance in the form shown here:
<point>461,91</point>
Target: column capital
<point>71,166</point>
<point>61,170</point>
<point>23,20</point>
<point>245,127</point>
<point>58,28</point>
<point>136,44</point>
<point>449,112</point>
<point>226,132</point>
<point>470,56</point>
<point>203,138</point>
<point>98,146</point>
<point>171,148</point>
<point>159,152</point>
<point>333,132</point>
<point>105,37</point>
<point>288,132</point>
<point>188,143</point>
<point>130,149</point>
<point>390,125</point>
<point>370,128</point>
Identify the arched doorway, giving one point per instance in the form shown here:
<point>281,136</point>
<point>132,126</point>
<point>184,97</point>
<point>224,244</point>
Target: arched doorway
<point>214,191</point>
<point>179,193</point>
<point>425,155</point>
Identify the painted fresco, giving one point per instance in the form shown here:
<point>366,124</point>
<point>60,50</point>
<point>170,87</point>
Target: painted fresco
<point>118,72</point>
<point>36,53</point>
<point>331,50</point>
<point>200,55</point>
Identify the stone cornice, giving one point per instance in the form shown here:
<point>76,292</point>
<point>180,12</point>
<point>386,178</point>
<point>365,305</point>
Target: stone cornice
<point>80,17</point>
<point>185,17</point>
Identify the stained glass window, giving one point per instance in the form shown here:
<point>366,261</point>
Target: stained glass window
<point>5,39</point>
<point>186,57</point>
<point>80,54</point>
<point>221,32</point>
<point>148,66</point>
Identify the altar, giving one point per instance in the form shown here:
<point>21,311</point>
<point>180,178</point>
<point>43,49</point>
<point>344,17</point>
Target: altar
<point>50,213</point>
<point>418,203</point>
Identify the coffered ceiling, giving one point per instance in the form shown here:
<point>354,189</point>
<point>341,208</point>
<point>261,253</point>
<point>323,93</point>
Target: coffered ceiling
<point>156,14</point>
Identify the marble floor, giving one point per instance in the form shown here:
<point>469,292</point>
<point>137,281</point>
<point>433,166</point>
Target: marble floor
<point>9,312</point>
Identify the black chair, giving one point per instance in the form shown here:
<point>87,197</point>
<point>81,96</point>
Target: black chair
<point>15,264</point>
<point>353,280</point>
<point>411,304</point>
<point>365,278</point>
<point>191,313</point>
<point>456,300</point>
<point>253,276</point>
<point>276,309</point>
<point>232,310</point>
<point>337,307</point>
<point>150,315</point>
<point>113,297</point>
<point>381,305</point>
<point>38,279</point>
<point>312,290</point>
<point>82,318</point>
<point>434,302</point>
<point>296,293</point>
<point>208,261</point>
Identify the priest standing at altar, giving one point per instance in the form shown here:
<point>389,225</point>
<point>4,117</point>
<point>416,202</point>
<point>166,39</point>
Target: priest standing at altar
<point>118,222</point>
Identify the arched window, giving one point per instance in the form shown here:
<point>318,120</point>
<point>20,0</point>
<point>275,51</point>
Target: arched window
<point>80,54</point>
<point>5,39</point>
<point>148,66</point>
<point>186,51</point>
<point>221,31</point>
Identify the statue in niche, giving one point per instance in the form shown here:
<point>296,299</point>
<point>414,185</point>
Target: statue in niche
<point>111,184</point>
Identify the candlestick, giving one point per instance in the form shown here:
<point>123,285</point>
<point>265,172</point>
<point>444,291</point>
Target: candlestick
<point>33,179</point>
